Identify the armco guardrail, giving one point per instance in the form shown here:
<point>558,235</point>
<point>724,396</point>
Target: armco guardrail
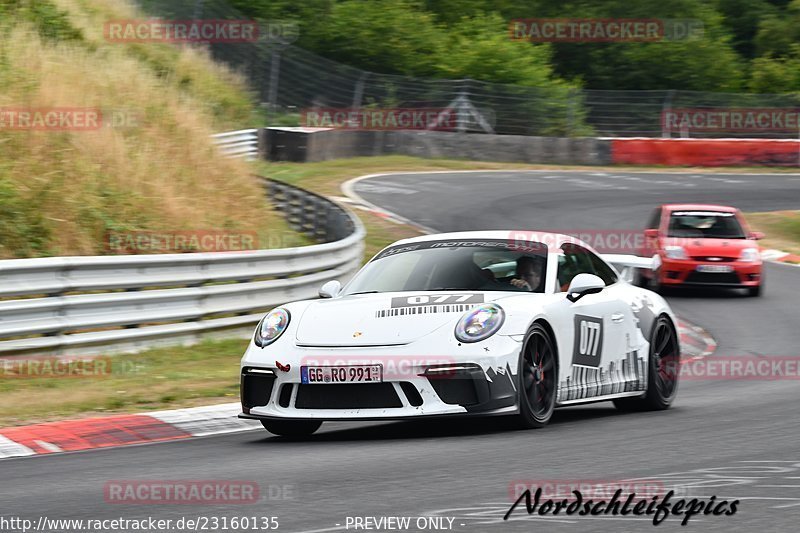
<point>309,213</point>
<point>79,305</point>
<point>241,143</point>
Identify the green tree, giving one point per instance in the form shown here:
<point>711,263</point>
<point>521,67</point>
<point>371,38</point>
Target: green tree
<point>742,18</point>
<point>480,48</point>
<point>778,32</point>
<point>394,37</point>
<point>776,74</point>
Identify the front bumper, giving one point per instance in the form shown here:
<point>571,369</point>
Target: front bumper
<point>480,379</point>
<point>685,272</point>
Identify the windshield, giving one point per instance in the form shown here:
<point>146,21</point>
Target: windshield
<point>486,265</point>
<point>705,224</point>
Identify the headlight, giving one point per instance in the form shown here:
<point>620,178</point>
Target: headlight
<point>749,255</point>
<point>480,323</point>
<point>271,327</point>
<point>675,252</point>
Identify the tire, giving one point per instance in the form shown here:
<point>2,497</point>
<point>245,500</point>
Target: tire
<point>291,428</point>
<point>758,289</point>
<point>537,377</point>
<point>663,371</point>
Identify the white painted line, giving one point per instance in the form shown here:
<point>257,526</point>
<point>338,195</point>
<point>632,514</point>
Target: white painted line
<point>208,420</point>
<point>323,530</point>
<point>786,506</point>
<point>49,446</point>
<point>348,188</point>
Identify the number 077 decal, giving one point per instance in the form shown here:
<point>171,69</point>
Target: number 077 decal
<point>588,341</point>
<point>436,299</point>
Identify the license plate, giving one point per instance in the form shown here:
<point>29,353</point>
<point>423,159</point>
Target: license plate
<point>715,268</point>
<point>325,375</point>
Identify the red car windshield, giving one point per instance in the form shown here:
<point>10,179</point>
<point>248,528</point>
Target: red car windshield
<point>705,225</point>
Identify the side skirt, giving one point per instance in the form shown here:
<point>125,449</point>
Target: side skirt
<point>593,399</point>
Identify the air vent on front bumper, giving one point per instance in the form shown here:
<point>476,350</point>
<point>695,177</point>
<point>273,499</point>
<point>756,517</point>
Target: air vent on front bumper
<point>412,394</point>
<point>285,396</point>
<point>459,384</point>
<point>255,387</point>
<point>347,396</point>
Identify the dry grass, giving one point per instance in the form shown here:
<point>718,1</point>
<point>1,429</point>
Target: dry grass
<point>60,191</point>
<point>782,229</point>
<point>222,93</point>
<point>164,378</point>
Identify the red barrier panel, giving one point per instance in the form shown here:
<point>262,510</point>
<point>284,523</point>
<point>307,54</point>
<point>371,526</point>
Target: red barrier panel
<point>706,152</point>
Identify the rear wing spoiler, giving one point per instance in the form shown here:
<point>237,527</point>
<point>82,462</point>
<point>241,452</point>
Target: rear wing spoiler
<point>626,265</point>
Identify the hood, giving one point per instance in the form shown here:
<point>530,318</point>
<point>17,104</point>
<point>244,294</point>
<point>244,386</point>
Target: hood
<point>696,247</point>
<point>383,319</point>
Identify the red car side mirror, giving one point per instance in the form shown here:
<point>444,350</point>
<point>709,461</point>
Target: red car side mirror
<point>651,233</point>
<point>757,235</point>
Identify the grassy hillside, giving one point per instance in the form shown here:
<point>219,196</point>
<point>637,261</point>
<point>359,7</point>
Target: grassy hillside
<point>61,191</point>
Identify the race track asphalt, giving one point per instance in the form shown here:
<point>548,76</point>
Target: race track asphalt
<point>729,438</point>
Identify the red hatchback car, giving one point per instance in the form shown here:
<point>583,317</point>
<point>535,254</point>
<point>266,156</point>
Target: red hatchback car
<point>702,245</point>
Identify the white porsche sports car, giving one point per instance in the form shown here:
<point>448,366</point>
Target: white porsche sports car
<point>468,323</point>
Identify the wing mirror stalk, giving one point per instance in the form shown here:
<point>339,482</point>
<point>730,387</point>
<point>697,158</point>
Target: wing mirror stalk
<point>584,284</point>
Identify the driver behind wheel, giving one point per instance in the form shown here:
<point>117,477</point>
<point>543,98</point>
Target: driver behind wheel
<point>530,273</point>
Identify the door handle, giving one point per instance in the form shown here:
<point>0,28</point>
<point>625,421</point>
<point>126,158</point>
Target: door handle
<point>617,318</point>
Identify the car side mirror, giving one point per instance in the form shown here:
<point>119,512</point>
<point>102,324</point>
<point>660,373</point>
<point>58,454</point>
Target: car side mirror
<point>757,235</point>
<point>330,289</point>
<point>584,284</point>
<point>651,233</point>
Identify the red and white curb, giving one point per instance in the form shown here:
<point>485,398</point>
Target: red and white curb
<point>176,424</point>
<point>779,256</point>
<point>696,343</point>
<point>122,430</point>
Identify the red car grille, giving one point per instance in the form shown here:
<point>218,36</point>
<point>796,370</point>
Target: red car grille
<point>714,258</point>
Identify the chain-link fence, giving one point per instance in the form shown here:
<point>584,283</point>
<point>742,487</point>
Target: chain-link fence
<point>290,80</point>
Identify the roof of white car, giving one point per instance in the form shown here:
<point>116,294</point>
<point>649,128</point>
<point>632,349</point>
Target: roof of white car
<point>510,235</point>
